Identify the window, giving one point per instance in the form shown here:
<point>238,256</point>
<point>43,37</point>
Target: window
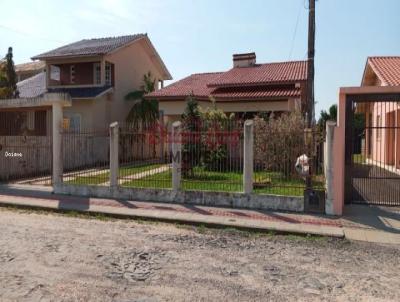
<point>97,73</point>
<point>378,125</point>
<point>108,74</point>
<point>72,122</point>
<point>72,74</point>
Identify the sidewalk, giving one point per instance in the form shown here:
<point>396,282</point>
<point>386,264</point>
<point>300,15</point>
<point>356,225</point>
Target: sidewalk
<point>352,226</point>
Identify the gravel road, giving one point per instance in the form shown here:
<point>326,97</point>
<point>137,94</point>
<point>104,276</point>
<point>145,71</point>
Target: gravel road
<point>54,257</point>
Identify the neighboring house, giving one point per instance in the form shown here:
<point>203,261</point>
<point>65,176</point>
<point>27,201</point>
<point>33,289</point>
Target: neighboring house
<point>382,135</point>
<point>97,73</point>
<point>246,89</point>
<point>27,70</point>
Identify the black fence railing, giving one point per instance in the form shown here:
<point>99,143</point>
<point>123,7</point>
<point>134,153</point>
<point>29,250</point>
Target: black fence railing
<point>86,159</point>
<point>26,147</point>
<point>144,160</point>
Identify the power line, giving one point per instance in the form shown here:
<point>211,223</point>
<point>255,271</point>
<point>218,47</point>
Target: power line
<point>295,29</point>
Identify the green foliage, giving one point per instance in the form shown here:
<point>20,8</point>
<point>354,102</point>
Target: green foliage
<point>143,111</point>
<point>331,115</point>
<point>216,148</point>
<point>8,77</point>
<point>191,119</point>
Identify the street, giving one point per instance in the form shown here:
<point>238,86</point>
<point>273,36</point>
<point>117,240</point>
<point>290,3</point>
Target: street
<point>61,257</point>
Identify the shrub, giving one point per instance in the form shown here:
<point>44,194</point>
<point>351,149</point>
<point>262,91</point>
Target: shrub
<point>279,141</point>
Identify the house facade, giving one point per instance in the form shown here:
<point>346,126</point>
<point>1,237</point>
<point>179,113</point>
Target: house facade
<point>97,74</point>
<point>382,119</point>
<point>245,90</point>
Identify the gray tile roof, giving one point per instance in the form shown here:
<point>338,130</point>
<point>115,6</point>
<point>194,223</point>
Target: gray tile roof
<point>89,47</point>
<point>33,86</point>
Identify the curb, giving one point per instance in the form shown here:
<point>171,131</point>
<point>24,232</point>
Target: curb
<point>185,218</point>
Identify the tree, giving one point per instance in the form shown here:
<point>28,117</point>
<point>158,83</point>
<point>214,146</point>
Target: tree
<point>8,77</point>
<point>216,143</point>
<point>191,119</point>
<point>331,115</point>
<point>143,111</point>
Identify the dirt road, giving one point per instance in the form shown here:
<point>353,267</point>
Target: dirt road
<point>52,257</point>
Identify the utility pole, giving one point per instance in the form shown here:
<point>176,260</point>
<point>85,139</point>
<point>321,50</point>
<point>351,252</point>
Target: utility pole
<point>310,63</point>
<point>310,93</point>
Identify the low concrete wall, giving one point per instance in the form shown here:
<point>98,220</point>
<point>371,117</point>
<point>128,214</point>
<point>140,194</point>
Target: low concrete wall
<point>204,198</point>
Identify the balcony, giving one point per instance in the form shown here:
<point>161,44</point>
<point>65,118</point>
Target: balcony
<point>80,75</point>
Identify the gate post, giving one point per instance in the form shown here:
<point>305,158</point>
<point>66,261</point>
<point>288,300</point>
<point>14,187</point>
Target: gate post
<point>57,143</point>
<point>176,156</point>
<point>248,163</point>
<point>330,130</point>
<point>114,160</point>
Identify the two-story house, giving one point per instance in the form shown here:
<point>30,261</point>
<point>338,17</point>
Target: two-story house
<point>97,73</point>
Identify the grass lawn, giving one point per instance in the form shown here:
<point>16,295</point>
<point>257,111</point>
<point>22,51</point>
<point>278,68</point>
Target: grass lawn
<point>359,158</point>
<point>104,177</point>
<point>225,182</point>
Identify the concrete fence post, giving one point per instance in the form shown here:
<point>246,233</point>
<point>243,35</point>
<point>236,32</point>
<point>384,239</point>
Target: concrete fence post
<point>330,130</point>
<point>162,138</point>
<point>57,114</point>
<point>248,163</point>
<point>114,160</point>
<point>176,156</point>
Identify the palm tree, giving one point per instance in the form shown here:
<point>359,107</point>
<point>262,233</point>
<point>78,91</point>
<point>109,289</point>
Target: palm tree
<point>143,111</point>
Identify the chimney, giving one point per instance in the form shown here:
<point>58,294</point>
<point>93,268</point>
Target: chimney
<point>244,59</point>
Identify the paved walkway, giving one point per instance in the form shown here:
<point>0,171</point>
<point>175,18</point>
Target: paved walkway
<point>139,175</point>
<point>359,223</point>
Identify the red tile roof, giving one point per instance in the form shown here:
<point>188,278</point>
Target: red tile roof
<point>256,92</point>
<point>195,84</point>
<point>274,80</point>
<point>262,74</point>
<point>387,69</point>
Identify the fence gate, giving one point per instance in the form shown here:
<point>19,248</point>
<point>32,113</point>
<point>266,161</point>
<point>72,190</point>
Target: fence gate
<point>373,149</point>
<point>26,146</point>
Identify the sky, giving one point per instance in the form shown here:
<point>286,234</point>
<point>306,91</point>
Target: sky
<point>201,35</point>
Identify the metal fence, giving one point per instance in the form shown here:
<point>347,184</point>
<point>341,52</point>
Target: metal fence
<point>25,147</point>
<point>373,151</point>
<point>144,160</point>
<point>86,159</point>
<point>276,156</point>
<point>212,155</point>
<point>211,159</point>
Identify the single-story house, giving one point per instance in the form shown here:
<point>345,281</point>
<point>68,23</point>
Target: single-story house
<point>246,89</point>
<point>382,119</point>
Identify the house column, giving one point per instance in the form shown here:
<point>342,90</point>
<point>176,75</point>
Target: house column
<point>103,72</point>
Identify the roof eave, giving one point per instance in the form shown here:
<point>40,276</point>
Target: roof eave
<point>237,84</point>
<point>45,58</point>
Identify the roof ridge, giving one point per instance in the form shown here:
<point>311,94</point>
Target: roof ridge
<point>114,37</point>
<point>201,73</point>
<point>375,57</point>
<point>280,62</point>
